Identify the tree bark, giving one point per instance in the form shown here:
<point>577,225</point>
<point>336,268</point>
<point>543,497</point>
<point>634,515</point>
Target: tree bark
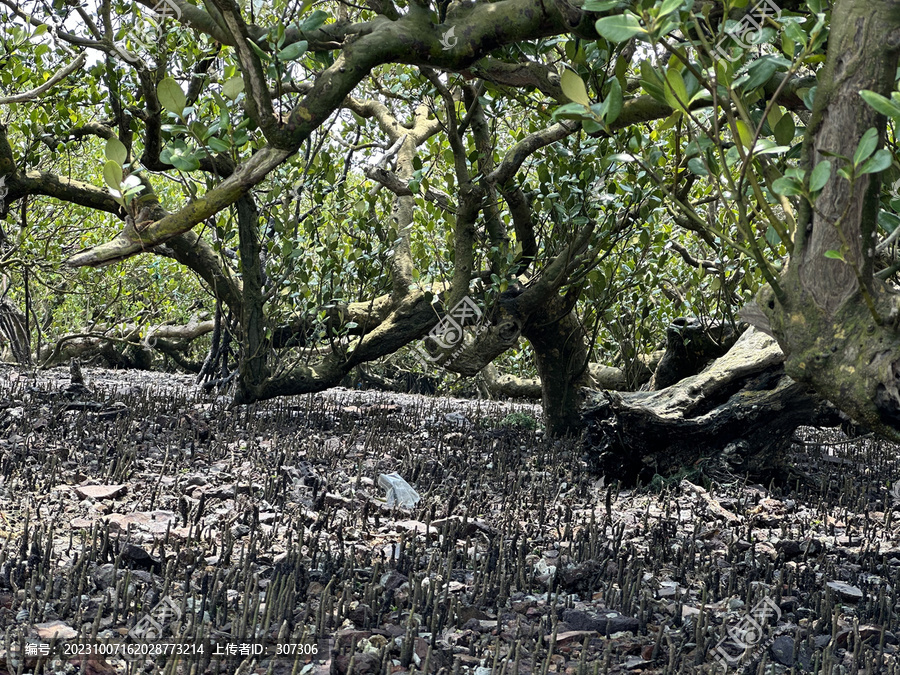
<point>561,355</point>
<point>837,325</point>
<point>253,364</point>
<point>12,327</point>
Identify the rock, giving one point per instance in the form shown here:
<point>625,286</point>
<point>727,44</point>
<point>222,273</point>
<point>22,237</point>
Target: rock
<point>155,522</point>
<point>636,663</point>
<point>392,580</point>
<point>472,526</point>
<point>667,589</point>
<point>604,622</point>
<point>364,663</point>
<point>458,419</point>
<point>846,591</point>
<point>793,548</point>
<point>821,641</point>
<point>105,576</point>
<point>55,629</point>
<point>468,612</point>
<point>573,635</point>
<point>137,558</point>
<point>360,616</point>
<point>783,650</point>
<point>789,603</point>
<point>100,491</point>
<point>581,576</point>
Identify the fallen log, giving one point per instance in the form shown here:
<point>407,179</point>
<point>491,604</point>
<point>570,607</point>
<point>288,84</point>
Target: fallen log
<point>135,343</point>
<point>737,415</point>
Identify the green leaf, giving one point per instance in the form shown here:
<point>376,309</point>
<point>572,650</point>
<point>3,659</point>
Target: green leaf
<point>314,21</point>
<point>615,100</point>
<point>591,127</point>
<point>809,96</point>
<point>620,27</point>
<point>795,33</point>
<point>232,87</point>
<point>676,91</point>
<point>621,157</point>
<point>766,147</point>
<point>883,105</point>
<point>651,82</point>
<point>834,255</point>
<point>745,134</point>
<point>293,51</point>
<point>171,97</point>
<point>787,187</point>
<point>669,6</point>
<point>218,145</point>
<point>696,166</point>
<point>785,130</point>
<point>112,174</point>
<point>820,176</point>
<point>760,73</point>
<point>179,156</point>
<point>866,147</point>
<point>888,221</point>
<point>879,162</point>
<point>116,151</point>
<point>263,56</point>
<point>574,89</point>
<point>571,111</point>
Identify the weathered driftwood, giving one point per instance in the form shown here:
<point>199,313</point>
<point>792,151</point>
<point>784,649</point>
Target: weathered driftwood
<point>740,413</point>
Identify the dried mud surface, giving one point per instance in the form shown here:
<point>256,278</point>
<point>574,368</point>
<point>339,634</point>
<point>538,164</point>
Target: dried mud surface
<point>139,511</point>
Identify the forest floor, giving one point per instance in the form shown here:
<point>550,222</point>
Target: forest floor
<point>146,527</point>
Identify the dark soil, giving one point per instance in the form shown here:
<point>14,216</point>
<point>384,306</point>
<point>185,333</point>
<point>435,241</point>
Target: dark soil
<point>138,512</point>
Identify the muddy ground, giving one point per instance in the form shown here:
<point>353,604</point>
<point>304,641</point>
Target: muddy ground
<point>140,516</point>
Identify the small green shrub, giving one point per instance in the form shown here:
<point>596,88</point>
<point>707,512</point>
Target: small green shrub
<point>519,420</point>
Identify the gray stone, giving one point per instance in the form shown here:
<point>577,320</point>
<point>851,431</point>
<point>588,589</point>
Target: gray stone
<point>605,622</point>
<point>846,591</point>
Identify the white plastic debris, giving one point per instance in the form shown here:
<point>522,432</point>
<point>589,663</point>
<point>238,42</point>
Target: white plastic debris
<point>399,492</point>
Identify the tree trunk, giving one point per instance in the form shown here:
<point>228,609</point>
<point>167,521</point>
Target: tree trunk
<point>837,325</point>
<point>739,414</point>
<point>252,365</point>
<point>12,327</point>
<point>560,347</point>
